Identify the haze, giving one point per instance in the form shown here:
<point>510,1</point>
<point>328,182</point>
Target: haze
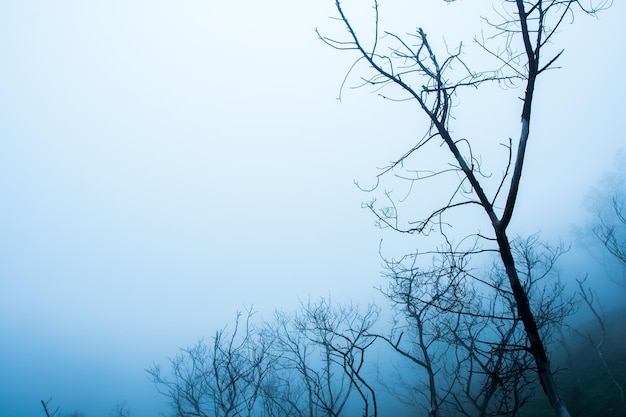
<point>164,164</point>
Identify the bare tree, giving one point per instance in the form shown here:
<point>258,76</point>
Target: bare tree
<point>495,368</point>
<point>421,296</point>
<point>606,223</point>
<point>121,410</point>
<point>590,300</point>
<point>297,385</point>
<point>344,335</point>
<point>462,329</point>
<point>612,234</point>
<point>520,51</point>
<point>46,408</point>
<point>222,379</point>
<point>321,361</point>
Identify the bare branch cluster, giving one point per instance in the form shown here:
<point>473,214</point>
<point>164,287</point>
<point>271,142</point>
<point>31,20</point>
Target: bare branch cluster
<point>220,379</point>
<point>612,235</point>
<point>522,32</point>
<point>590,299</point>
<point>344,335</point>
<point>463,330</point>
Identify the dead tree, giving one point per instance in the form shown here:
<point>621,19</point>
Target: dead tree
<point>343,334</point>
<point>606,223</point>
<point>220,379</point>
<point>421,296</point>
<point>521,51</point>
<point>611,234</point>
<point>461,328</point>
<point>121,410</point>
<point>496,370</point>
<point>590,300</point>
<point>46,409</point>
<point>298,386</point>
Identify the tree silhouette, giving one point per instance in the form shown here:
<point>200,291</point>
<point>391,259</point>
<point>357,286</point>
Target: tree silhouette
<point>409,68</point>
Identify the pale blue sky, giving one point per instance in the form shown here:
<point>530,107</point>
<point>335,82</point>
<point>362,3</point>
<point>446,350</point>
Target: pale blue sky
<point>163,164</point>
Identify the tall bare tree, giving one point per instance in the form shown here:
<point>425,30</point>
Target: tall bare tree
<point>521,51</point>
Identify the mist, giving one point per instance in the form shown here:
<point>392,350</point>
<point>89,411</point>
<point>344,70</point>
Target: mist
<point>164,165</point>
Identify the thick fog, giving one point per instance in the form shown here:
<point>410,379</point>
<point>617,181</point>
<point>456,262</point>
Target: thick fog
<point>165,164</point>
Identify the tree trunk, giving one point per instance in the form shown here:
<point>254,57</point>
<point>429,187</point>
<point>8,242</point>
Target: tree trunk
<point>524,311</point>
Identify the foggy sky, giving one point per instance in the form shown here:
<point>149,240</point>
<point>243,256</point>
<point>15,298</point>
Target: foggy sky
<point>164,164</point>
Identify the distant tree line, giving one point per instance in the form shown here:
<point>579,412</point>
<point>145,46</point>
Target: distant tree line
<point>450,344</point>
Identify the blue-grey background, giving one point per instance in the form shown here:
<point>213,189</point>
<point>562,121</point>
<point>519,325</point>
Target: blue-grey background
<point>166,163</point>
